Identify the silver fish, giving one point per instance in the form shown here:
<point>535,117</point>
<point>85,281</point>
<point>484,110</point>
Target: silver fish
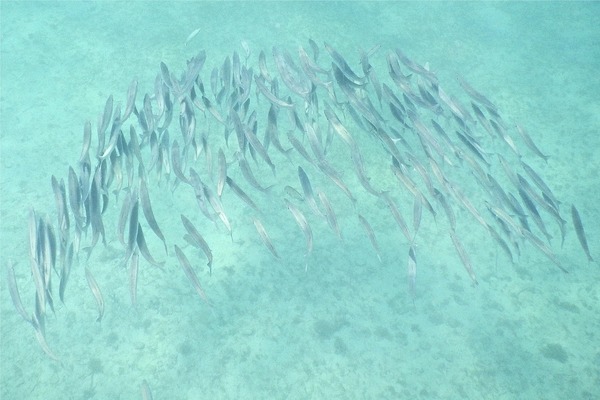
<point>196,240</point>
<point>192,35</point>
<point>475,95</point>
<point>215,202</point>
<point>417,211</point>
<point>308,192</point>
<point>304,226</point>
<point>130,105</point>
<point>264,236</point>
<point>398,217</point>
<point>65,272</point>
<point>148,213</point>
<point>330,214</point>
<point>534,212</point>
<point>38,279</point>
<point>539,182</point>
<point>259,148</point>
<point>241,194</point>
<point>96,292</point>
<point>14,291</point>
<point>344,67</point>
<point>133,276</point>
<point>222,175</point>
<point>335,177</point>
<point>269,95</point>
<point>124,215</point>
<point>501,242</point>
<point>370,235</point>
<point>412,272</point>
<point>290,74</point>
<point>41,338</point>
<point>580,232</point>
<point>87,141</point>
<point>247,172</point>
<point>529,142</point>
<point>145,389</point>
<point>544,249</point>
<point>105,121</point>
<point>143,248</point>
<point>463,256</point>
<point>133,228</point>
<point>262,66</point>
<point>340,129</point>
<point>189,272</point>
<point>439,196</point>
<point>176,162</point>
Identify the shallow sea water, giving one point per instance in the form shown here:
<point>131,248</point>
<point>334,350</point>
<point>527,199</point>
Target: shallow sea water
<point>348,327</point>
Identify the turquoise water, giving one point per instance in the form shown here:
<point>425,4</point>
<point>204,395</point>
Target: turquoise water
<point>348,326</point>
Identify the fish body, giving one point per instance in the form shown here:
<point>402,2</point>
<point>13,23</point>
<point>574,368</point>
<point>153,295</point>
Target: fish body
<point>463,256</point>
<point>96,292</point>
<point>264,236</point>
<point>304,226</point>
<point>189,272</point>
<point>580,232</point>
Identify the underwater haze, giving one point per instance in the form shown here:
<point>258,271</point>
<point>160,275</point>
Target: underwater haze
<point>447,310</point>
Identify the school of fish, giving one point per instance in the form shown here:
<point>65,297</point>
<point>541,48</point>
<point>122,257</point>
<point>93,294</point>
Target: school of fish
<point>314,115</point>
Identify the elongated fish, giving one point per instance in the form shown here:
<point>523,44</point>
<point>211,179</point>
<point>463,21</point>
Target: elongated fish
<point>335,177</point>
<point>259,148</point>
<point>130,104</point>
<point>133,227</point>
<point>330,214</point>
<point>544,249</point>
<point>145,389</point>
<point>14,291</point>
<point>148,213</point>
<point>475,95</point>
<point>371,235</point>
<point>539,182</point>
<point>247,172</point>
<point>241,194</point>
<point>65,272</point>
<point>264,236</point>
<point>344,67</point>
<point>192,35</point>
<point>143,247</point>
<point>34,260</point>
<point>412,271</point>
<point>96,292</point>
<point>398,217</point>
<point>222,174</point>
<point>580,232</point>
<point>529,142</point>
<point>133,276</point>
<point>439,196</point>
<point>124,215</point>
<point>269,95</point>
<point>463,256</point>
<point>502,243</point>
<point>215,203</point>
<point>289,72</point>
<point>189,272</point>
<point>417,211</point>
<point>308,192</point>
<point>340,129</point>
<point>196,240</point>
<point>41,338</point>
<point>534,213</point>
<point>304,226</point>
